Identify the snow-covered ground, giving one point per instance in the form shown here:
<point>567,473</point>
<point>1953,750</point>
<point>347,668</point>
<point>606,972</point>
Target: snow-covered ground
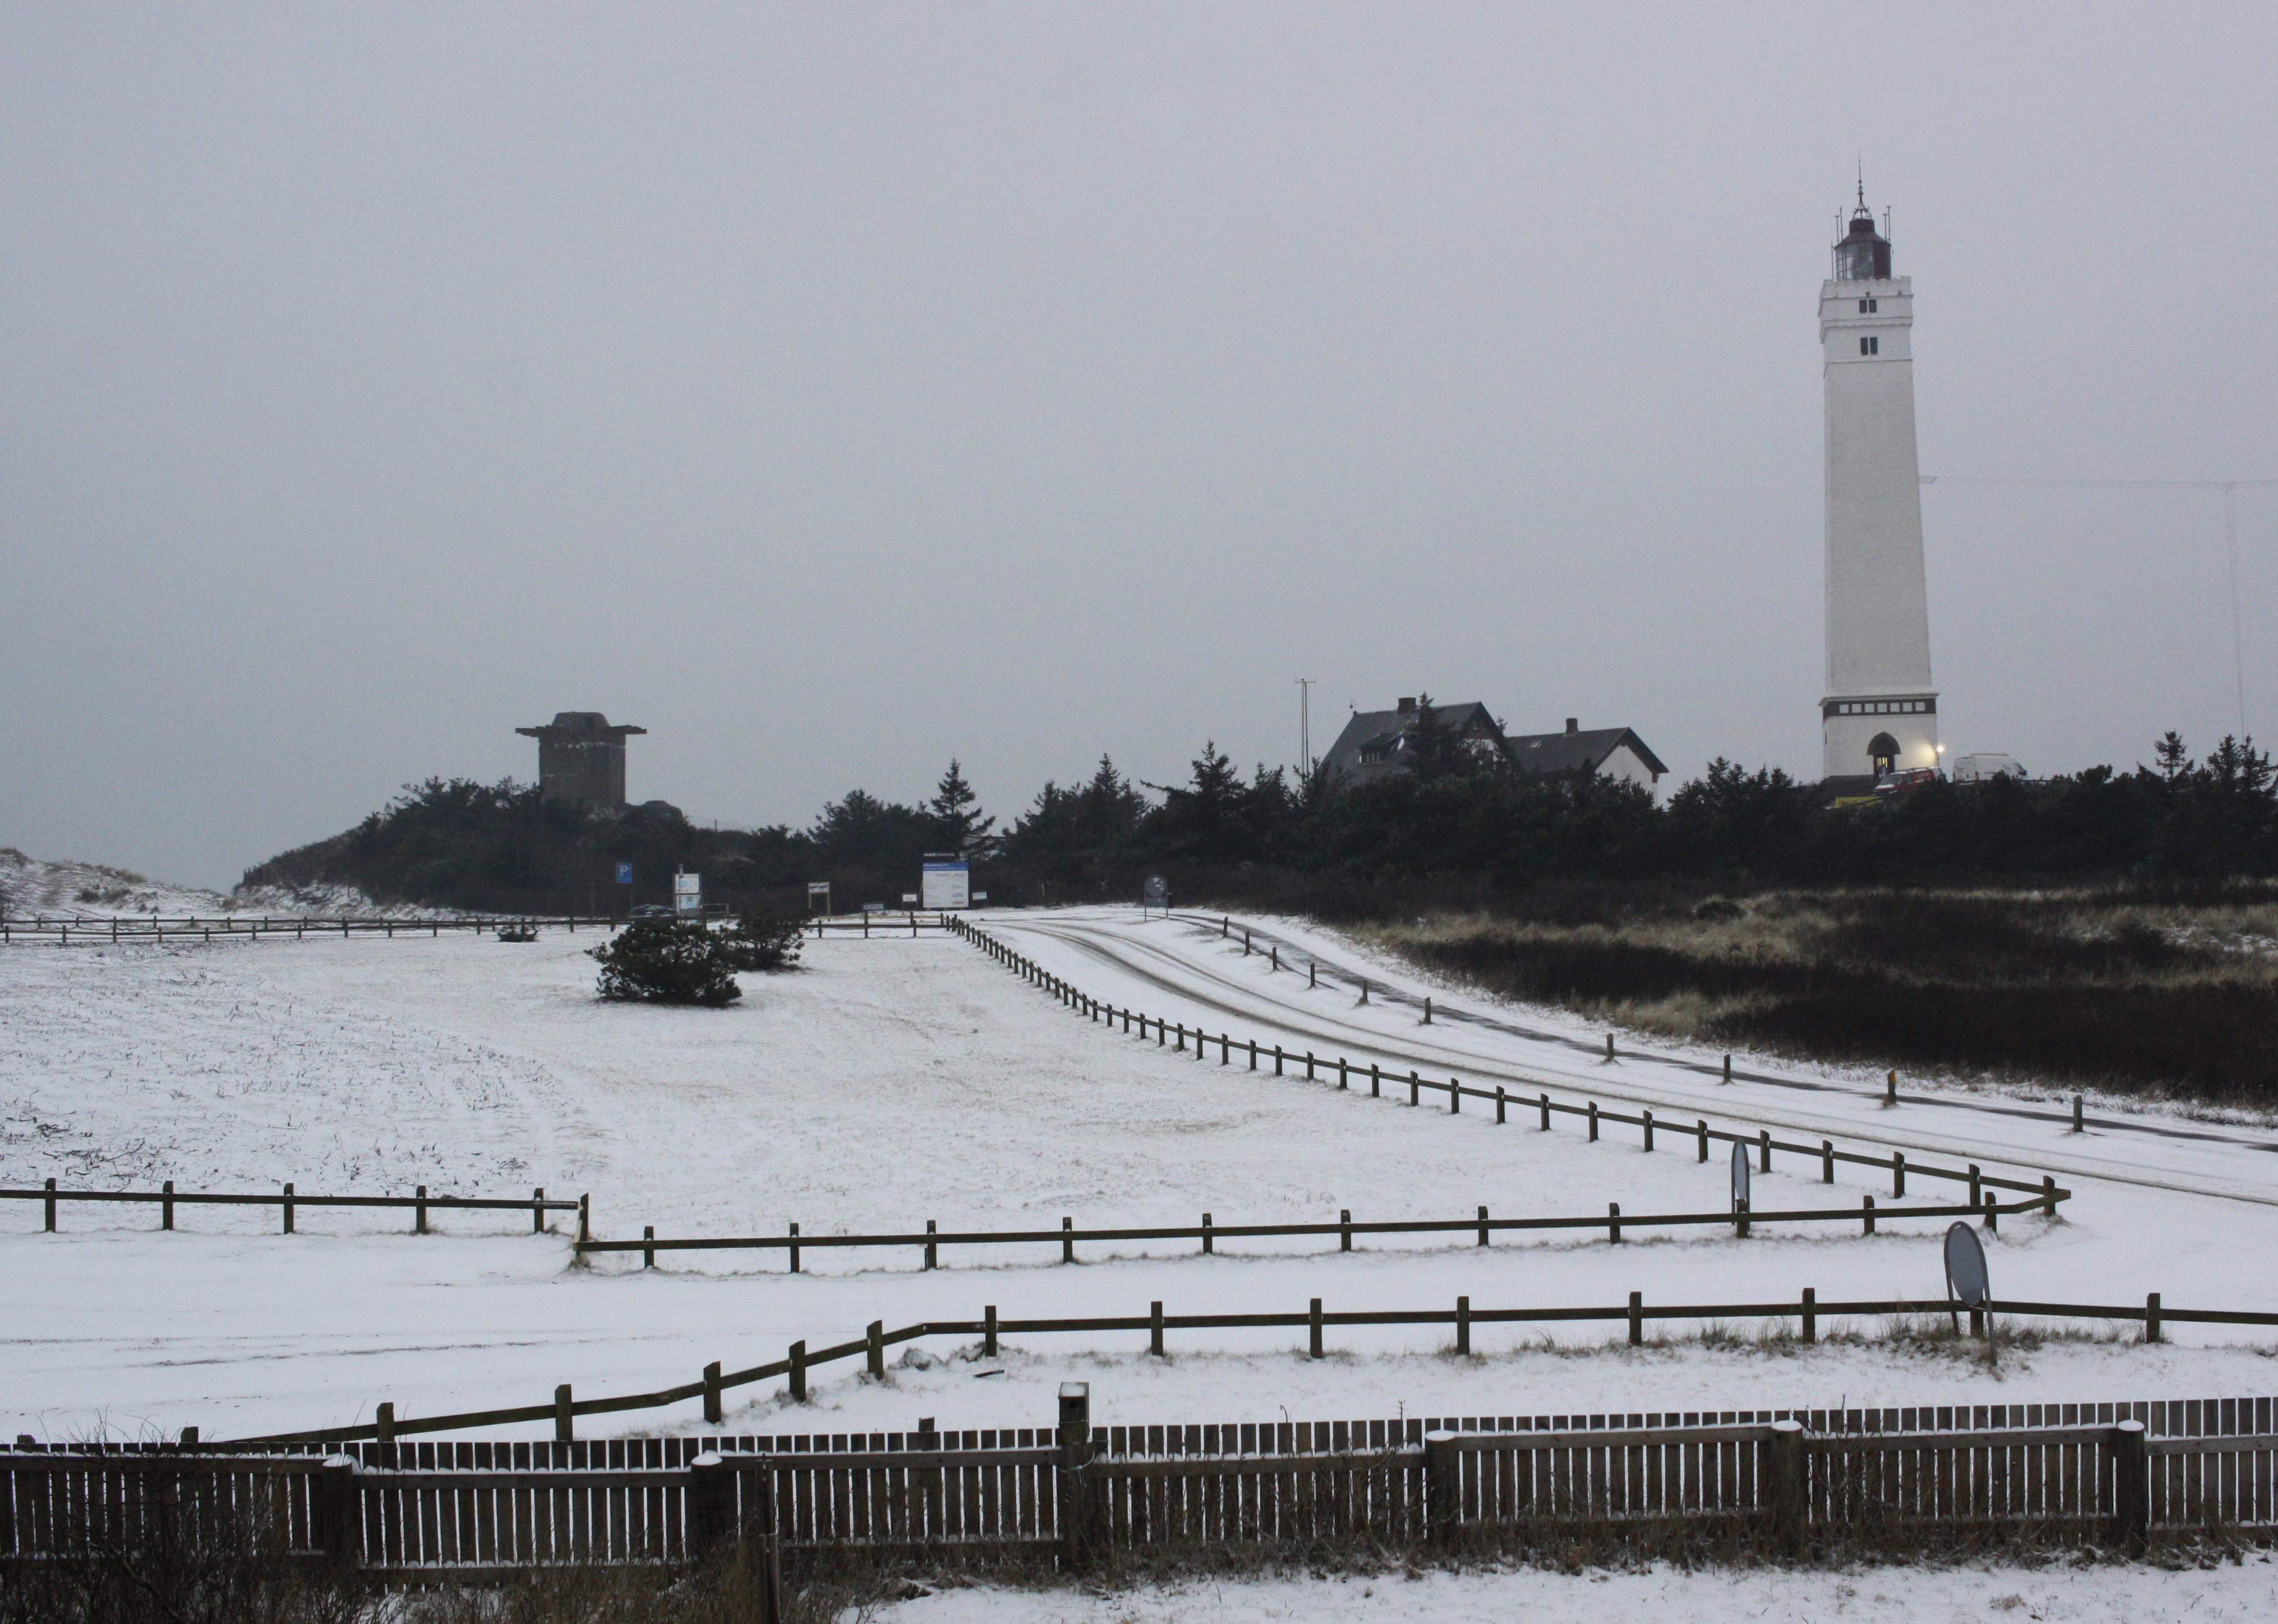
<point>897,1081</point>
<point>31,888</point>
<point>2081,1595</point>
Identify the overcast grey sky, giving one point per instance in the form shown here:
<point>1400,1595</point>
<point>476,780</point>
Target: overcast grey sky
<point>833,388</point>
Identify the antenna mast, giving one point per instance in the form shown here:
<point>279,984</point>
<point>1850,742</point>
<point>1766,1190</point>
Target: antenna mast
<point>1305,726</point>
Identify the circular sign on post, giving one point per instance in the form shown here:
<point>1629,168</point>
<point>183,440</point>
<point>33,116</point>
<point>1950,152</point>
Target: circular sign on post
<point>1966,1280</point>
<point>1739,1175</point>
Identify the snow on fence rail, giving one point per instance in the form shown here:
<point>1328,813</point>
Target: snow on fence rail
<point>166,1198</point>
<point>866,924</point>
<point>1806,1311</point>
<point>1349,1073</point>
<point>1792,1480</point>
<point>1209,1232</point>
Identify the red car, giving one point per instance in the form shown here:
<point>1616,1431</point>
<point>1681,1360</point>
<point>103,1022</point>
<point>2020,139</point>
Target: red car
<point>1890,786</point>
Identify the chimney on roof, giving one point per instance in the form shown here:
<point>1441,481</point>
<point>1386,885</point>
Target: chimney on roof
<point>1408,707</point>
<point>1572,725</point>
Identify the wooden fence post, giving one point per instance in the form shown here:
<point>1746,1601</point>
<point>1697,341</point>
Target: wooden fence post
<point>1827,1161</point>
<point>1545,1113</point>
<point>288,1209</point>
<point>1647,1117</point>
<point>798,1373</point>
<point>51,1204</point>
<point>1277,1060</point>
<point>2048,1195</point>
<point>383,1431</point>
<point>2151,1317</point>
<point>1463,1327</point>
<point>1375,1082</point>
<point>538,1210</point>
<point>1155,1329</point>
<point>562,1431</point>
<point>1498,1104</point>
<point>794,1248</point>
<point>1701,1130</point>
<point>1975,1180</point>
<point>1206,1234</point>
<point>1782,1488</point>
<point>1343,1082</point>
<point>1314,1346</point>
<point>1593,1122</point>
<point>1867,1215</point>
<point>167,1207</point>
<point>2078,1125</point>
<point>1898,1173</point>
<point>1067,1245</point>
<point>1454,1097</point>
<point>1992,1216</point>
<point>1344,1229</point>
<point>1428,1008</point>
<point>1079,1529</point>
<point>711,1504</point>
<point>875,1337</point>
<point>1415,1084</point>
<point>334,1528</point>
<point>933,1249</point>
<point>649,1254</point>
<point>1810,1315</point>
<point>1890,1094</point>
<point>711,1410</point>
<point>2131,1486</point>
<point>1442,1486</point>
<point>1728,1068</point>
<point>989,1332</point>
<point>1637,1319</point>
<point>1483,1226</point>
<point>1613,1221</point>
<point>584,1218</point>
<point>419,1211</point>
<point>1764,1150</point>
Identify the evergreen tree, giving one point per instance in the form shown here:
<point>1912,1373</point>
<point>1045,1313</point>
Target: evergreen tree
<point>955,817</point>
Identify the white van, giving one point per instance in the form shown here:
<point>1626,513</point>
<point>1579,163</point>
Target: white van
<point>1978,769</point>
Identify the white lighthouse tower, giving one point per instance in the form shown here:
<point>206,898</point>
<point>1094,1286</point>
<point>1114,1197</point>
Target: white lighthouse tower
<point>1880,713</point>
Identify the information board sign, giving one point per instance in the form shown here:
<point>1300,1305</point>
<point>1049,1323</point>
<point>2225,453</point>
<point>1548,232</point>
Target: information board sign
<point>945,885</point>
<point>688,895</point>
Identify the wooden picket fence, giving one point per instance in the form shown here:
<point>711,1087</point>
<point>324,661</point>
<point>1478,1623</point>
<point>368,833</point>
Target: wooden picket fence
<point>1799,1481</point>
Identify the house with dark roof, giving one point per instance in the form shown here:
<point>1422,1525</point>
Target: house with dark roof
<point>1607,752</point>
<point>1377,743</point>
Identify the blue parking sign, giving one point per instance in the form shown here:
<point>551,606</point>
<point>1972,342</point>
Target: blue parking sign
<point>625,873</point>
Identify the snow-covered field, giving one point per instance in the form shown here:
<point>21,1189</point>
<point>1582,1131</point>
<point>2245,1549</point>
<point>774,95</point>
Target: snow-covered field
<point>2080,1595</point>
<point>895,1081</point>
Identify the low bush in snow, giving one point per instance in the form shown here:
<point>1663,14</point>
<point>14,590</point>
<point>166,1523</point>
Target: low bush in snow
<point>764,940</point>
<point>669,961</point>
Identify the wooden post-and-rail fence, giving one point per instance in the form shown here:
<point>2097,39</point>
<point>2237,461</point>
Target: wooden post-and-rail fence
<point>1806,1313</point>
<point>1209,1232</point>
<point>2095,1475</point>
<point>166,1198</point>
<point>1350,1074</point>
<point>85,930</point>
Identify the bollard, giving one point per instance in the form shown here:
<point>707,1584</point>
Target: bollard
<point>1463,1327</point>
<point>1593,1122</point>
<point>1207,1237</point>
<point>1546,1114</point>
<point>649,1254</point>
<point>1637,1319</point>
<point>1728,1068</point>
<point>1613,1221</point>
<point>1609,1048</point>
<point>1414,1083</point>
<point>1375,1082</point>
<point>1277,957</point>
<point>1702,1130</point>
<point>2078,1127</point>
<point>1312,973</point>
<point>1067,1245</point>
<point>288,1209</point>
<point>1454,1097</point>
<point>1891,1091</point>
<point>1344,1229</point>
<point>1498,1104</point>
<point>1428,1008</point>
<point>1898,1173</point>
<point>564,1432</point>
<point>1826,1161</point>
<point>1314,1314</point>
<point>711,1410</point>
<point>1764,1150</point>
<point>1342,1081</point>
<point>1647,1119</point>
<point>989,1332</point>
<point>1309,1065</point>
<point>1363,992</point>
<point>875,1348</point>
<point>1810,1315</point>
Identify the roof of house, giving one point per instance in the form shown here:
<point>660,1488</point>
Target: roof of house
<point>1372,733</point>
<point>1568,753</point>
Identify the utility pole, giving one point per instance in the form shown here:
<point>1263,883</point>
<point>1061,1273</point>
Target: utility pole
<point>1305,727</point>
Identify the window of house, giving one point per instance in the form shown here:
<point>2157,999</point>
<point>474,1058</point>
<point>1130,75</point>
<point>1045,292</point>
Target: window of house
<point>1867,306</point>
<point>1870,346</point>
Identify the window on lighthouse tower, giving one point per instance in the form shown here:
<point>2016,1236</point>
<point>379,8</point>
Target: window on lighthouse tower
<point>1870,346</point>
